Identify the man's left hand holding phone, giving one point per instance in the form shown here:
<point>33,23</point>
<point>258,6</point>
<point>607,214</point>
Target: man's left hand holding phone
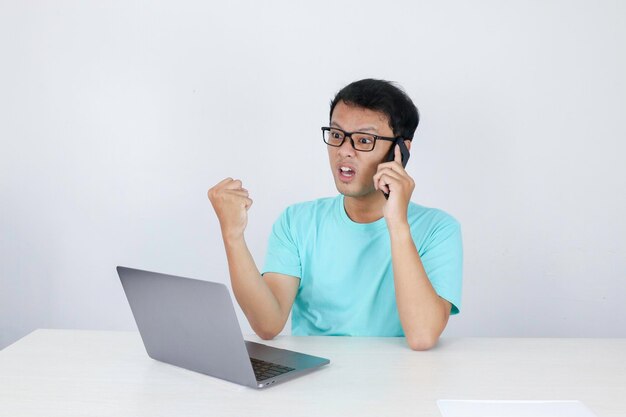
<point>395,183</point>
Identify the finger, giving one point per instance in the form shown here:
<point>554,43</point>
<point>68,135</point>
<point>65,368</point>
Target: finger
<point>234,184</point>
<point>222,184</point>
<point>393,165</point>
<point>224,181</point>
<point>390,179</point>
<point>390,168</point>
<point>382,185</point>
<point>376,178</point>
<point>236,198</point>
<point>387,171</point>
<point>397,155</point>
<point>378,184</point>
<point>218,186</point>
<point>239,192</point>
<point>393,174</point>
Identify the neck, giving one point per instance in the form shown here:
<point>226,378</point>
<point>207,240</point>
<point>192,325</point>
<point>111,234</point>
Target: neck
<point>365,209</point>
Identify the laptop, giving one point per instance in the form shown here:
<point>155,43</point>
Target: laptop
<point>192,324</point>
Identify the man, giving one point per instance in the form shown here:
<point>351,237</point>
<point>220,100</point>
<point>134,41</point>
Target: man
<point>360,263</point>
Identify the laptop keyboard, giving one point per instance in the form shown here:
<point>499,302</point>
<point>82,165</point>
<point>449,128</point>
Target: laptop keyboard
<point>264,370</point>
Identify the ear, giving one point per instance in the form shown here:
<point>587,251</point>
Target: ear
<point>408,144</point>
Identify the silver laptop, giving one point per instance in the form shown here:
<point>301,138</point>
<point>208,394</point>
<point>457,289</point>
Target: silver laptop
<point>192,324</point>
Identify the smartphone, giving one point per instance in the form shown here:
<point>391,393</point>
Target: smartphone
<point>391,156</point>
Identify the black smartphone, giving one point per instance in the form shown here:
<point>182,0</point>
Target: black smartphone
<point>391,156</point>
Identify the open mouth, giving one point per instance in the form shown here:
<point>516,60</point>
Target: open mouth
<point>346,173</point>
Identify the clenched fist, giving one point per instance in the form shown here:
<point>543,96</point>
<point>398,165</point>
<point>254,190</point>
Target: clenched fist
<point>231,203</point>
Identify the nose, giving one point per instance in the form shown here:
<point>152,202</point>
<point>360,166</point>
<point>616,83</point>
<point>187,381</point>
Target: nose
<point>346,148</point>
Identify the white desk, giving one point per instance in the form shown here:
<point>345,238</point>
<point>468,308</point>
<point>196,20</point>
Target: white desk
<point>95,373</point>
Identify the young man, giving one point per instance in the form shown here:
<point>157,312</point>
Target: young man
<point>356,264</point>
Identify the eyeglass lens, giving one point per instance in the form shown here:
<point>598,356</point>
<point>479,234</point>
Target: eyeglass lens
<point>360,141</point>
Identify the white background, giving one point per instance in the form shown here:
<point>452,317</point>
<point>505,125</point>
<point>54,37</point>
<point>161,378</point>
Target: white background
<point>117,116</point>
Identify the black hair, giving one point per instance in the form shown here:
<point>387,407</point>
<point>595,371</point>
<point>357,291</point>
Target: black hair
<point>385,97</point>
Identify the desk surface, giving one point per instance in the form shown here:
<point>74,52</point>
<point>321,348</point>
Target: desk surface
<point>88,373</point>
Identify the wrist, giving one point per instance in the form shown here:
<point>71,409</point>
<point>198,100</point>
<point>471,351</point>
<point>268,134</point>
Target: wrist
<point>399,230</point>
<point>232,240</point>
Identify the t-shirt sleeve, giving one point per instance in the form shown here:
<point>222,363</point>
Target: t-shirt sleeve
<point>282,251</point>
<point>442,257</point>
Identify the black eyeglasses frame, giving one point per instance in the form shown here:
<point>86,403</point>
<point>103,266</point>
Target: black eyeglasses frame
<point>349,135</point>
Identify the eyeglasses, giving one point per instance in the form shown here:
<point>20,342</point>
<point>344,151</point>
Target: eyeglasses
<point>360,141</point>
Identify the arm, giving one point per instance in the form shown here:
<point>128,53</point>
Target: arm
<point>423,314</point>
<point>266,301</point>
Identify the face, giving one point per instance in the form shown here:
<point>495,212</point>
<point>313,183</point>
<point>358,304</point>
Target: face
<point>353,170</point>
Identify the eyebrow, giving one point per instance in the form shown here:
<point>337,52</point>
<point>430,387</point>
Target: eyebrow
<point>364,129</point>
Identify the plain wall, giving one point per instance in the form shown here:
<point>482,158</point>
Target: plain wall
<point>116,117</point>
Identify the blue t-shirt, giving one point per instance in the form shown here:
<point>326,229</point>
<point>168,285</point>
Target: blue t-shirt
<point>346,277</point>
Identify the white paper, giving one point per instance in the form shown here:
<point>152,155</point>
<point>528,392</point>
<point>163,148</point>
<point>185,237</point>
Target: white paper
<point>476,408</point>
